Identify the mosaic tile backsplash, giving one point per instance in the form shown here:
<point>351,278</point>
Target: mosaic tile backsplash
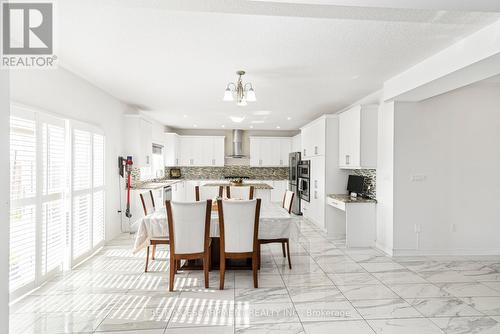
<point>214,173</point>
<point>370,181</point>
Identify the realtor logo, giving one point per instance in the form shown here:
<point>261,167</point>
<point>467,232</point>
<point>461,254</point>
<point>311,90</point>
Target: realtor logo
<point>27,35</point>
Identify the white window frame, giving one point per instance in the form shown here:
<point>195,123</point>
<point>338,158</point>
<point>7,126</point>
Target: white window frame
<point>40,117</point>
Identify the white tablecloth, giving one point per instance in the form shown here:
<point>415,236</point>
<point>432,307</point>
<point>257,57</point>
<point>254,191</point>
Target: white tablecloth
<point>275,222</point>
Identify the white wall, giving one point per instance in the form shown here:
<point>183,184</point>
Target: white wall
<point>63,93</point>
<point>453,141</point>
<point>4,202</point>
<point>385,170</point>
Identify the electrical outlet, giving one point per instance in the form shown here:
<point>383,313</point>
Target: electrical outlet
<point>417,178</point>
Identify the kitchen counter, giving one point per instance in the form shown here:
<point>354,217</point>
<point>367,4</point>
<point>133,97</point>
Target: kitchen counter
<point>348,199</point>
<point>151,185</point>
<point>262,186</point>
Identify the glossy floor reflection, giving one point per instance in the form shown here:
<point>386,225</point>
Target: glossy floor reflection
<point>329,289</point>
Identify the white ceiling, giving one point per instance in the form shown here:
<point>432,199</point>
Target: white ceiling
<point>174,62</point>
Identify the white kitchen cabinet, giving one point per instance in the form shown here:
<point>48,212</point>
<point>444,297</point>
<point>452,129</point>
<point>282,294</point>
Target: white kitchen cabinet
<point>297,143</point>
<point>218,151</point>
<point>269,151</point>
<point>138,140</point>
<point>313,138</point>
<point>358,137</point>
<point>172,150</point>
<point>317,191</point>
<point>201,151</point>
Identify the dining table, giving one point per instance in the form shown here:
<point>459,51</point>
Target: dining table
<point>274,223</point>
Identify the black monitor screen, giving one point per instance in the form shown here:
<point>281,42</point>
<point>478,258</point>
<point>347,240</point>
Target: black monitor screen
<point>355,184</point>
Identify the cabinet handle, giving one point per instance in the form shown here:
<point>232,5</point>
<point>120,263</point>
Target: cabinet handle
<point>191,161</point>
<point>316,184</point>
<point>147,159</point>
<point>315,194</point>
<point>213,162</point>
<point>304,152</point>
<point>260,162</point>
<point>315,149</point>
<point>281,162</point>
<point>347,159</point>
<point>177,162</point>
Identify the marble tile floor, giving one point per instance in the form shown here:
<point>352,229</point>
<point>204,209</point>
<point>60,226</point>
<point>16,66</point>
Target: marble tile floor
<point>329,289</point>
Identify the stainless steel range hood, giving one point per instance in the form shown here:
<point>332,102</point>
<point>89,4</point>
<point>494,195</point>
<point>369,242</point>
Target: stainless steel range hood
<point>237,144</point>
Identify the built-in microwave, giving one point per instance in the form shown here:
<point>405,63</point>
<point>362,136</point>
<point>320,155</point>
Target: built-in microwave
<point>304,189</point>
<point>304,169</point>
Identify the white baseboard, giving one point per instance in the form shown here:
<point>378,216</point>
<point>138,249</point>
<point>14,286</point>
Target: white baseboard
<point>384,249</point>
<point>440,252</point>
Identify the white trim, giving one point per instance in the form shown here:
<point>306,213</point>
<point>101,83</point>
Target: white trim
<point>439,252</point>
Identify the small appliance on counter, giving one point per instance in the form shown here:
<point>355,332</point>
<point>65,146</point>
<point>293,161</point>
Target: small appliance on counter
<point>175,173</point>
<point>236,180</point>
<point>356,185</point>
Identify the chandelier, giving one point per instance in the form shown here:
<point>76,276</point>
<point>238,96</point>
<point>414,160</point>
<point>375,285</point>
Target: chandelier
<point>242,92</point>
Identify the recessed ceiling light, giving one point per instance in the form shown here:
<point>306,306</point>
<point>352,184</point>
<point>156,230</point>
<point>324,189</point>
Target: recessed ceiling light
<point>262,112</point>
<point>195,126</point>
<point>278,127</point>
<point>185,116</point>
<point>288,118</point>
<point>251,126</point>
<point>223,126</point>
<point>237,119</point>
<point>257,122</point>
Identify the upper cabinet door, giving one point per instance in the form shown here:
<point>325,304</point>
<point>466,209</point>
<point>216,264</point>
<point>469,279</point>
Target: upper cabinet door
<point>313,139</point>
<point>218,152</point>
<point>358,137</point>
<point>187,151</point>
<point>285,149</point>
<point>255,159</point>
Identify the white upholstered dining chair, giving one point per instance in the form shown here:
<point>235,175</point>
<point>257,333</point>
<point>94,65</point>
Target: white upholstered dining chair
<point>284,241</point>
<point>189,231</point>
<point>207,192</point>
<point>240,192</point>
<point>148,205</point>
<point>239,227</point>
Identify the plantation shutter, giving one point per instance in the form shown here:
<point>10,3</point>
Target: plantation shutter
<point>53,220</point>
<point>82,183</point>
<point>23,181</point>
<point>98,204</point>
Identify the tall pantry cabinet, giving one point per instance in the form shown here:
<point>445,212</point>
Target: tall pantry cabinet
<point>320,145</point>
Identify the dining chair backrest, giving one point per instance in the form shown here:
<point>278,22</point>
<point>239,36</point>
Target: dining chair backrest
<point>207,192</point>
<point>240,192</point>
<point>148,202</point>
<point>288,200</point>
<point>188,226</point>
<point>239,225</point>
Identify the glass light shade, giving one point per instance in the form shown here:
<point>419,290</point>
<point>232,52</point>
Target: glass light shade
<point>251,95</point>
<point>228,95</point>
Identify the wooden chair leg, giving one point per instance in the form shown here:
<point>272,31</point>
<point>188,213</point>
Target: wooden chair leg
<point>288,254</point>
<point>254,269</point>
<point>283,249</point>
<point>205,269</point>
<point>154,252</point>
<point>222,270</point>
<point>209,258</point>
<point>147,259</point>
<point>259,256</point>
<point>172,273</point>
